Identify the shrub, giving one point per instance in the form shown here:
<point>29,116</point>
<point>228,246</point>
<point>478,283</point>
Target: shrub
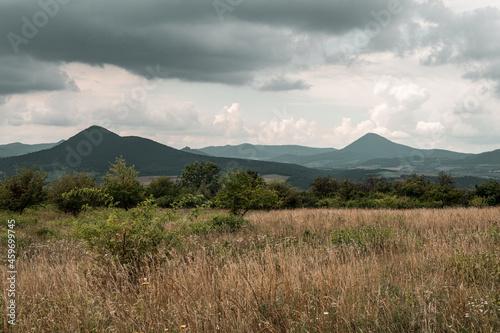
<point>122,185</point>
<point>23,190</point>
<point>490,191</point>
<point>219,223</point>
<point>164,190</point>
<point>245,190</point>
<point>127,236</point>
<point>79,199</point>
<point>203,177</point>
<point>73,191</point>
<point>227,223</point>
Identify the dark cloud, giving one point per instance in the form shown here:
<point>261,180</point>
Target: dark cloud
<point>196,41</point>
<point>20,74</point>
<point>187,38</point>
<point>280,83</point>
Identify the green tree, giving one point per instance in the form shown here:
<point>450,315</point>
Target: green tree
<point>415,186</point>
<point>70,182</point>
<point>164,190</point>
<point>288,196</point>
<point>446,180</point>
<point>24,189</point>
<point>203,177</point>
<point>324,186</point>
<point>121,183</point>
<point>349,190</point>
<point>244,190</point>
<point>489,191</point>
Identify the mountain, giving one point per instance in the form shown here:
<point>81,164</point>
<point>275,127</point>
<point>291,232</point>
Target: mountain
<point>194,151</point>
<point>375,151</point>
<point>262,152</point>
<point>17,148</point>
<point>95,148</point>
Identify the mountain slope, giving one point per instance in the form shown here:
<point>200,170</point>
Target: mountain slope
<point>262,152</point>
<point>95,148</point>
<point>17,148</point>
<point>372,150</point>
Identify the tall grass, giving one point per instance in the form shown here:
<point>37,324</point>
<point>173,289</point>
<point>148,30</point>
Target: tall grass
<point>287,271</point>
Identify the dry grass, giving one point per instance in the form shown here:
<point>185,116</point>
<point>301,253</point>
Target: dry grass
<point>384,271</point>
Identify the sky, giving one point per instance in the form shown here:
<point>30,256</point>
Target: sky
<point>196,73</point>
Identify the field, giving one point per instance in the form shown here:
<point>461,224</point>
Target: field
<point>285,271</point>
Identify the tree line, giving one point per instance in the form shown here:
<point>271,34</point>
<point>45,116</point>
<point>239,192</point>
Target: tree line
<point>237,190</point>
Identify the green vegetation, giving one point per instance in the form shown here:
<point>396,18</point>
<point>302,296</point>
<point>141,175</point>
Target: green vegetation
<point>244,190</point>
<point>23,190</point>
<point>126,236</point>
<point>204,184</point>
<point>121,184</point>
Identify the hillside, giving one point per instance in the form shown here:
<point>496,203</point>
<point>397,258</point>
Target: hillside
<point>262,152</point>
<point>18,149</point>
<point>94,148</point>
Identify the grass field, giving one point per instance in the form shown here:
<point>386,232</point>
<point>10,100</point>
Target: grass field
<point>286,271</point>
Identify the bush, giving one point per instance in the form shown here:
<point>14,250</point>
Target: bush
<point>73,191</point>
<point>490,191</point>
<point>122,185</point>
<point>164,190</point>
<point>219,223</point>
<point>287,195</point>
<point>79,199</point>
<point>243,191</point>
<point>23,190</point>
<point>127,236</point>
<point>203,177</point>
<point>478,202</point>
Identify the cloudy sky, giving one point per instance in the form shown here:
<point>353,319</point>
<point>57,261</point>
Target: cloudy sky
<point>212,72</point>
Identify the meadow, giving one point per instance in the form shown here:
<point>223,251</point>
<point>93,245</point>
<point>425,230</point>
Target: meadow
<point>304,270</point>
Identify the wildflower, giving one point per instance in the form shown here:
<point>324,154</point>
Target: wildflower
<point>325,313</point>
<point>145,283</point>
<point>183,326</point>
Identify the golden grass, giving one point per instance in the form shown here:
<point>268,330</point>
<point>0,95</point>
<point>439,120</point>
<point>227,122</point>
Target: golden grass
<point>433,271</point>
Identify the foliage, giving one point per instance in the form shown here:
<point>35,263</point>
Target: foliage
<point>324,186</point>
<point>243,191</point>
<point>79,199</point>
<point>287,195</point>
<point>73,191</point>
<point>127,236</point>
<point>23,190</point>
<point>164,190</point>
<point>121,184</point>
<point>203,177</point>
<point>489,191</point>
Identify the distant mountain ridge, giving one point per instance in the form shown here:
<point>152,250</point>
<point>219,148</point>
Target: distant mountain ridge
<point>261,152</point>
<point>95,148</point>
<point>18,149</point>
